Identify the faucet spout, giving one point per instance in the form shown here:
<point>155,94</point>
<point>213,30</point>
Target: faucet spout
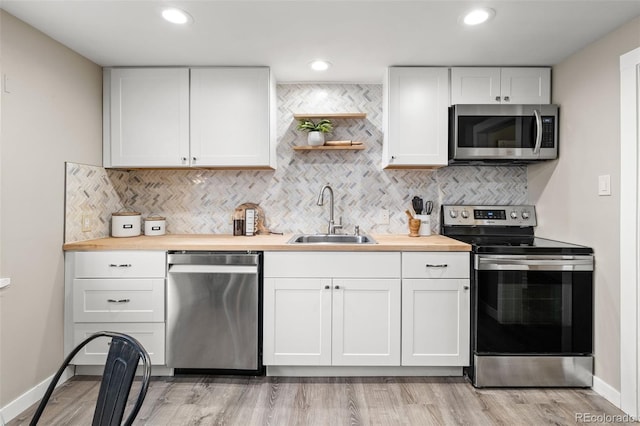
<point>332,225</point>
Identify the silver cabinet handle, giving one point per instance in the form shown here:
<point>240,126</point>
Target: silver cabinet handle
<point>194,159</point>
<point>393,157</point>
<point>119,300</point>
<point>326,287</point>
<point>497,98</point>
<point>441,265</point>
<point>184,159</point>
<point>337,287</point>
<point>506,99</point>
<point>122,265</point>
<point>466,287</point>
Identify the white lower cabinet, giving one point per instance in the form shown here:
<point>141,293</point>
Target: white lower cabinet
<point>435,322</point>
<point>348,317</point>
<point>435,309</point>
<point>360,309</point>
<point>120,291</point>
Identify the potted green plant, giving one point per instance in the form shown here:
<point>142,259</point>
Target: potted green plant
<point>316,130</point>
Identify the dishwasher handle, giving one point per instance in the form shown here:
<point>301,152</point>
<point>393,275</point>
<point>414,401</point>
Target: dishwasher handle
<point>213,269</point>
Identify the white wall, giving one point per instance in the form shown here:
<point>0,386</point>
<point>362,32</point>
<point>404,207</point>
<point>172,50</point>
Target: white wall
<point>52,113</point>
<point>587,88</point>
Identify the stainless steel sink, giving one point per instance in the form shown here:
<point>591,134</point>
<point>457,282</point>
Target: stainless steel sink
<point>331,239</point>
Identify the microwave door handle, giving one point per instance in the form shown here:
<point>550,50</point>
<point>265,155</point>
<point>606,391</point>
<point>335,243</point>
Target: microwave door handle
<point>536,149</point>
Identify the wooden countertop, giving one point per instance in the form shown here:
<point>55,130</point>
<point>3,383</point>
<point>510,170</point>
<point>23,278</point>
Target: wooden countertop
<point>218,242</point>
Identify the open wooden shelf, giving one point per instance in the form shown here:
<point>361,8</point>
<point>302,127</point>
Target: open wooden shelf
<point>329,148</point>
<point>332,115</point>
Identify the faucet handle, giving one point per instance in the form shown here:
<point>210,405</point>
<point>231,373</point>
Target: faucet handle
<point>339,224</point>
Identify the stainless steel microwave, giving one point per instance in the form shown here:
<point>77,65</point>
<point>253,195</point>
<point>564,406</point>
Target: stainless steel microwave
<point>503,133</point>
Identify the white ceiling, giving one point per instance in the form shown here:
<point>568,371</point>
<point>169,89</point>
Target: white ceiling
<point>359,37</point>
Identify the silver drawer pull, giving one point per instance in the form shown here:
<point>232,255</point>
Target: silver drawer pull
<point>119,300</point>
<point>122,265</point>
<point>441,265</point>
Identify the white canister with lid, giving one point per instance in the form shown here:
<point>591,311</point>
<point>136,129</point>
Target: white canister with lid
<point>155,225</point>
<point>125,224</point>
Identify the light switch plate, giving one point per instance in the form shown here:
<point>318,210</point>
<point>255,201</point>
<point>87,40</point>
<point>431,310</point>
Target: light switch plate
<point>604,185</point>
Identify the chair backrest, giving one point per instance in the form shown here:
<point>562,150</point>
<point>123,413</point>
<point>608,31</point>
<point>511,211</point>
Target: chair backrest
<point>125,353</point>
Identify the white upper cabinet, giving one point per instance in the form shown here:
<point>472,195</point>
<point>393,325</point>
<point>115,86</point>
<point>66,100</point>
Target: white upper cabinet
<point>146,114</point>
<point>416,117</point>
<point>181,117</point>
<point>490,85</point>
<point>230,117</point>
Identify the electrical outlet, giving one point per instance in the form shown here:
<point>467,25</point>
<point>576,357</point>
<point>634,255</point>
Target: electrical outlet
<point>86,223</point>
<point>383,217</point>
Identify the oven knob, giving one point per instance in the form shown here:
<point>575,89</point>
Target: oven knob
<point>514,215</point>
<point>464,214</point>
<point>453,214</point>
<point>525,215</point>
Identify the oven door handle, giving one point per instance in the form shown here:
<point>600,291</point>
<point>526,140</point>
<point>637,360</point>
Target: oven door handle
<point>534,263</point>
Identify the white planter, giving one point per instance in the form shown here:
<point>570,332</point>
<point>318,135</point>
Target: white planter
<point>315,138</point>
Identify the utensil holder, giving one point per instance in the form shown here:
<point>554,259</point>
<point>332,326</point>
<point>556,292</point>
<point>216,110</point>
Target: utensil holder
<point>425,224</point>
<point>414,227</point>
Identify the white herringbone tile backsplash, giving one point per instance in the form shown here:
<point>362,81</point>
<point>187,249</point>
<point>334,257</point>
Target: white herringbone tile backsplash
<point>202,201</point>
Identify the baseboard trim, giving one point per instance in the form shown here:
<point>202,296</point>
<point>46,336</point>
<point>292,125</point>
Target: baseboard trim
<point>359,371</point>
<point>30,397</point>
<point>607,391</point>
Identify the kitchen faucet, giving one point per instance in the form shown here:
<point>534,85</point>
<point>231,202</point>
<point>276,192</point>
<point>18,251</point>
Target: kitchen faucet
<point>332,224</point>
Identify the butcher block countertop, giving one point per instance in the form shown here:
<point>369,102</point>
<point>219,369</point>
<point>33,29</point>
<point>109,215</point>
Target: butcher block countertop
<point>219,242</point>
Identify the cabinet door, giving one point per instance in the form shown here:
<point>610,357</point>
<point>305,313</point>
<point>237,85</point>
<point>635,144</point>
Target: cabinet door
<point>475,85</point>
<point>297,321</point>
<point>230,117</point>
<point>148,116</point>
<point>366,322</point>
<point>435,322</point>
<point>417,101</point>
<point>526,85</point>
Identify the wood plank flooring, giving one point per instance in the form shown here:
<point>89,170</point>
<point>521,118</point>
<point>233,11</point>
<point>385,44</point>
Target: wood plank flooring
<point>235,400</point>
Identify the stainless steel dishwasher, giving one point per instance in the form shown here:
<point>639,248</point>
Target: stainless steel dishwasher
<point>214,311</point>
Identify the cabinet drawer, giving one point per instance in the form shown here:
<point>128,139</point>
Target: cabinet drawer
<point>436,265</point>
<point>118,300</point>
<point>120,264</point>
<point>150,336</point>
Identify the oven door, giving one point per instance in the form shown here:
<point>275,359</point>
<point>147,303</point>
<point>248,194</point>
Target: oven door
<point>531,305</point>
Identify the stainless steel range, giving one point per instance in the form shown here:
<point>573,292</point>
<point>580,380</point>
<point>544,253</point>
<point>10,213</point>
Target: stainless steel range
<point>532,300</point>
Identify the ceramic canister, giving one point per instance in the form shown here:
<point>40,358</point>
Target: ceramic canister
<point>155,225</point>
<point>125,224</point>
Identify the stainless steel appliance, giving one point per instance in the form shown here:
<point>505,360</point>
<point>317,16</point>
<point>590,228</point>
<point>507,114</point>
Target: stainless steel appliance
<point>503,133</point>
<point>532,302</point>
<point>214,311</point>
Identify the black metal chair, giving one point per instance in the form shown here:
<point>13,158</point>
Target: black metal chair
<point>124,355</point>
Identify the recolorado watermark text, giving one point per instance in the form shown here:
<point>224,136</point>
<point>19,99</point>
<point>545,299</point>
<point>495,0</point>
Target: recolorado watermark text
<point>604,418</point>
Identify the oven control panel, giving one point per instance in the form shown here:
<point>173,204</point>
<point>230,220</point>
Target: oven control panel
<point>520,215</point>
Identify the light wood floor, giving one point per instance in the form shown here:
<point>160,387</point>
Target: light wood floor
<point>211,400</point>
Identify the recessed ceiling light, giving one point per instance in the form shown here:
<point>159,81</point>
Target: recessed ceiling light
<point>176,16</point>
<point>478,16</point>
<point>319,65</point>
